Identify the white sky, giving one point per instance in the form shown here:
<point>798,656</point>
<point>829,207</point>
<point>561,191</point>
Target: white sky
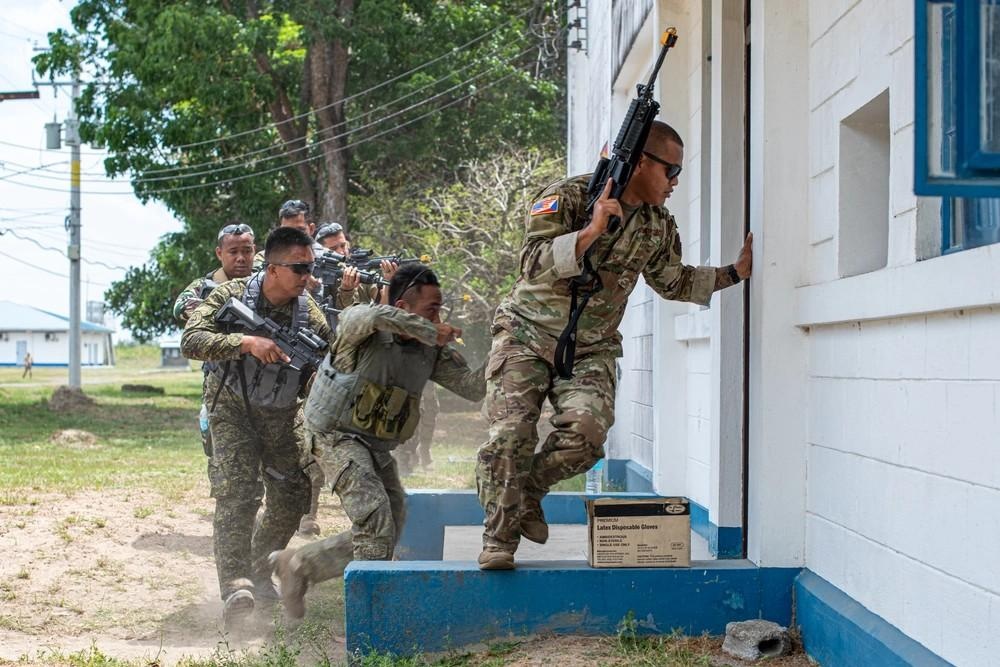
<point>116,229</point>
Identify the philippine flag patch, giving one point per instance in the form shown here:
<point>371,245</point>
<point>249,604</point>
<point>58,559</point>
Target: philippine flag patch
<point>545,206</point>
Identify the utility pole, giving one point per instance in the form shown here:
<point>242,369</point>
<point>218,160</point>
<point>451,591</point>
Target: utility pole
<point>73,139</point>
<point>72,127</point>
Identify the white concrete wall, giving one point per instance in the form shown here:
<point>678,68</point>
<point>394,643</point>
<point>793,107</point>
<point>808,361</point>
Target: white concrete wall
<point>903,377</point>
<point>51,351</point>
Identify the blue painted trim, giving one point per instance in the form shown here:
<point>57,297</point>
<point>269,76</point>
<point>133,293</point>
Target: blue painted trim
<point>428,511</point>
<point>404,608</point>
<point>723,542</point>
<point>968,182</point>
<point>837,630</point>
<point>628,475</point>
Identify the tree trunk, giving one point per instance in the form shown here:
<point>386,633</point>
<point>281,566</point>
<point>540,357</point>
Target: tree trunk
<point>328,61</point>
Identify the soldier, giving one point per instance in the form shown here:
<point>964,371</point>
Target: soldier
<point>256,419</point>
<point>293,213</point>
<point>512,478</point>
<point>333,237</point>
<point>363,403</point>
<point>234,249</point>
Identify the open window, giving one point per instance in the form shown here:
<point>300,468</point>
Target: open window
<point>957,98</point>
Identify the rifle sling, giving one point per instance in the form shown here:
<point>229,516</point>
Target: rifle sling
<point>588,283</point>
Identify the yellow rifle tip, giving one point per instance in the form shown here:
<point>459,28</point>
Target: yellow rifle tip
<point>669,33</point>
<point>466,297</point>
<point>425,258</point>
<point>460,341</point>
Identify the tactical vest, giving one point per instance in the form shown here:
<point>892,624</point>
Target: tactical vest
<point>266,385</point>
<point>380,399</point>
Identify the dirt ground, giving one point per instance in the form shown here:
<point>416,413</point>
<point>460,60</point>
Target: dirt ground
<point>131,573</point>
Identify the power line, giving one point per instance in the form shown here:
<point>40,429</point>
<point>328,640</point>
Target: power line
<point>382,84</point>
<point>50,272</point>
<point>307,146</point>
<point>304,161</point>
<point>42,148</point>
<point>31,169</point>
<point>12,232</point>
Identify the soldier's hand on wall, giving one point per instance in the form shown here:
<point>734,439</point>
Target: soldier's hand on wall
<point>264,349</point>
<point>446,333</point>
<point>744,262</point>
<point>350,280</point>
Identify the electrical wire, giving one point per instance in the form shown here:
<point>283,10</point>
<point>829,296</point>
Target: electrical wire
<point>49,271</point>
<point>292,164</point>
<point>287,153</point>
<point>378,86</point>
<point>12,232</point>
<point>28,170</point>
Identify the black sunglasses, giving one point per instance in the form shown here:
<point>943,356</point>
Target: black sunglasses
<point>236,229</point>
<point>301,268</point>
<point>293,207</point>
<point>673,170</point>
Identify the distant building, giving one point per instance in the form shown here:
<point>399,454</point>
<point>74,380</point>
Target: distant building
<point>170,353</point>
<point>45,335</point>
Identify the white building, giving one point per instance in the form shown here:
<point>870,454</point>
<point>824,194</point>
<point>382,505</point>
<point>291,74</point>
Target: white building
<point>850,427</point>
<point>45,335</point>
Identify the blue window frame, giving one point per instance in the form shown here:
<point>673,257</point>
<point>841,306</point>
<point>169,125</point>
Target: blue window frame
<point>957,86</point>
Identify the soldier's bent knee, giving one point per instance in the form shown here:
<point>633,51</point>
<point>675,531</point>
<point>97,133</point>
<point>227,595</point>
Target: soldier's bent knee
<point>583,424</point>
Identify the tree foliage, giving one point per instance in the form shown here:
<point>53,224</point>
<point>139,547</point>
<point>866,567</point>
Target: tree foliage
<point>471,226</point>
<point>223,108</point>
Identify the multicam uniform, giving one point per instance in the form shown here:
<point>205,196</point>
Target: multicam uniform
<point>260,430</point>
<point>526,328</point>
<point>363,403</point>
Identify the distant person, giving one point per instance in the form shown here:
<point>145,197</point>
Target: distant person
<point>28,362</point>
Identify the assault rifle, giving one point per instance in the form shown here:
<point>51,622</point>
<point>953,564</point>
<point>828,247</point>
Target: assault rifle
<point>366,260</point>
<point>304,347</point>
<point>619,166</point>
<point>207,288</point>
<point>330,267</point>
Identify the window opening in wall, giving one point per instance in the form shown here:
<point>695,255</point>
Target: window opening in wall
<point>863,239</point>
<point>957,100</point>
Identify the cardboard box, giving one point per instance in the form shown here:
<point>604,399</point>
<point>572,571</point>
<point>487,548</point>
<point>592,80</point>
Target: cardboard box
<point>639,532</point>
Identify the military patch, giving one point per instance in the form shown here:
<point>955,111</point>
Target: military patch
<point>546,206</point>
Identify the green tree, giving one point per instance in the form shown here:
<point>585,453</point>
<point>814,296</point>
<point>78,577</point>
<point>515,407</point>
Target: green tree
<point>222,108</point>
<point>471,225</point>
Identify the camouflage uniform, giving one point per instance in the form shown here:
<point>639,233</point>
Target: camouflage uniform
<point>361,467</point>
<point>511,477</point>
<point>417,450</point>
<point>193,292</point>
<point>268,440</point>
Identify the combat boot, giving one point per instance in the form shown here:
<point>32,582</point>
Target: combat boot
<point>293,584</point>
<point>533,526</point>
<point>237,609</point>
<point>263,588</point>
<point>492,558</point>
<point>308,525</point>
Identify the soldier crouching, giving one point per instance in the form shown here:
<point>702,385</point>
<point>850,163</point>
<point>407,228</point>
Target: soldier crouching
<point>364,401</point>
